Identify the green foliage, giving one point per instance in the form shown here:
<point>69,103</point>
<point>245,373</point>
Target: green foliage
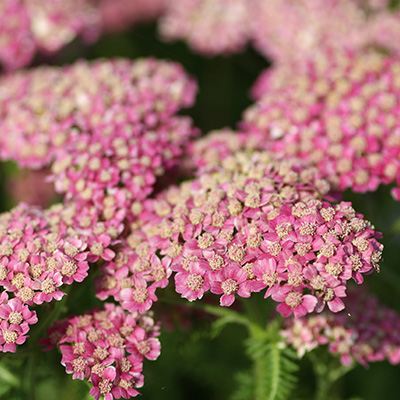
<point>274,374</point>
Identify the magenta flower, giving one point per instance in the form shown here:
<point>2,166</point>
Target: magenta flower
<point>11,334</point>
<point>192,284</point>
<point>139,297</point>
<point>48,290</point>
<point>103,386</point>
<point>268,275</point>
<point>228,282</point>
<point>17,313</point>
<point>293,301</point>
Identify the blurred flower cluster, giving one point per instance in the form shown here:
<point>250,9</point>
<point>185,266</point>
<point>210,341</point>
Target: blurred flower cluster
<point>119,194</point>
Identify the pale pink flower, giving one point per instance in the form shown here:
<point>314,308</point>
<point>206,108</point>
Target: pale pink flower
<point>366,331</point>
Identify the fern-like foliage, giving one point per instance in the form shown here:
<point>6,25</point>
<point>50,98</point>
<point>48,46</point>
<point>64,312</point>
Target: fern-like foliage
<point>274,373</point>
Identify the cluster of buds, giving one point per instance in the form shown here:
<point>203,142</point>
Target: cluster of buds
<point>340,115</point>
<point>108,348</point>
<point>256,223</point>
<point>118,163</point>
<point>366,332</point>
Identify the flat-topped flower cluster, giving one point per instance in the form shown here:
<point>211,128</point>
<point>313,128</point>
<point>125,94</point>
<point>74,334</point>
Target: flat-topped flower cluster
<point>48,108</point>
<point>108,347</point>
<point>259,216</point>
<point>366,332</point>
<point>257,223</point>
<point>340,115</point>
<point>37,257</point>
<point>286,31</point>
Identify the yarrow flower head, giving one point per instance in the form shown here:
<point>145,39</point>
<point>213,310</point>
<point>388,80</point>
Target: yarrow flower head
<point>257,224</point>
<point>108,348</point>
<point>228,149</point>
<point>38,254</point>
<point>40,251</point>
<point>366,332</point>
<point>291,31</point>
<point>340,115</point>
<point>30,25</point>
<point>133,276</point>
<point>48,107</point>
<point>15,318</point>
<point>209,27</point>
<point>118,163</point>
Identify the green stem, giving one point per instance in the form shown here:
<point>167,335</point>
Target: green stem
<point>45,321</point>
<point>31,377</point>
<point>9,377</point>
<point>265,353</point>
<point>327,375</point>
<point>218,311</point>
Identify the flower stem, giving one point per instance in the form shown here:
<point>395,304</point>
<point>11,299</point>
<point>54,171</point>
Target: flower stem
<point>219,311</point>
<point>49,317</point>
<point>327,374</point>
<point>31,377</point>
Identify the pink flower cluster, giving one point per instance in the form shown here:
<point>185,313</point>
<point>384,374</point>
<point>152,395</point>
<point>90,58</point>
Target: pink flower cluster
<point>209,27</point>
<point>291,31</point>
<point>218,149</point>
<point>288,31</point>
<point>340,115</point>
<point>122,163</point>
<point>108,348</point>
<point>254,224</point>
<point>48,107</point>
<point>15,318</point>
<point>39,253</point>
<point>366,332</point>
<point>30,25</point>
<point>133,276</point>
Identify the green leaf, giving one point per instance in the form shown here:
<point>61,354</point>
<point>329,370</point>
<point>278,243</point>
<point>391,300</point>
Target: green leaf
<point>274,375</point>
<point>245,382</point>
